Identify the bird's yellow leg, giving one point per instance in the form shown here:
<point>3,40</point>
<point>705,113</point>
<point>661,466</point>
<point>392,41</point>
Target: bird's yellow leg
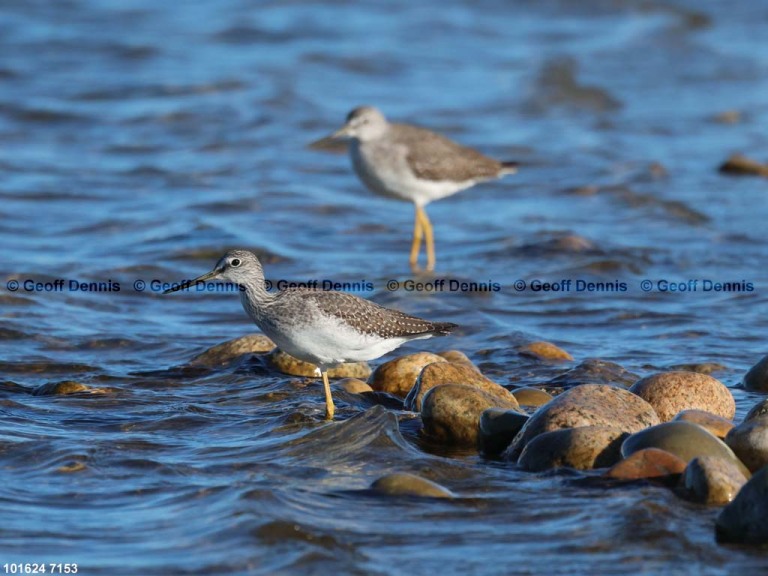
<point>417,236</point>
<point>329,407</point>
<point>429,239</point>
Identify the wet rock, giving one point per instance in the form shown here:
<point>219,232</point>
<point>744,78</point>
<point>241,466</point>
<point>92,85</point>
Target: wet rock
<point>66,387</point>
<point>759,409</point>
<point>712,480</point>
<point>740,165</point>
<point>683,439</point>
<point>649,463</point>
<point>225,352</point>
<point>451,413</point>
<point>749,441</point>
<point>498,428</point>
<point>757,377</point>
<point>717,425</point>
<point>587,405</point>
<point>582,448</point>
<point>700,367</point>
<point>353,386</point>
<point>531,396</point>
<point>451,373</point>
<point>672,392</point>
<point>544,351</point>
<point>594,371</point>
<point>404,484</point>
<point>728,117</point>
<point>287,364</point>
<point>745,520</point>
<point>399,375</point>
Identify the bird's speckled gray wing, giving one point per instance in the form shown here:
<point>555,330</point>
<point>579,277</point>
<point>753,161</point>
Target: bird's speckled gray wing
<point>365,316</point>
<point>435,157</point>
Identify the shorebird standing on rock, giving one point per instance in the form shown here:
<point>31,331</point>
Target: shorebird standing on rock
<point>413,164</point>
<point>324,328</point>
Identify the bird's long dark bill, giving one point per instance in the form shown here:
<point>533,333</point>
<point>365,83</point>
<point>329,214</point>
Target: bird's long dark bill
<point>333,143</point>
<point>185,285</point>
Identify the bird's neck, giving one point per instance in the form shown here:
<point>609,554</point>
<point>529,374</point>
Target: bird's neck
<point>255,296</point>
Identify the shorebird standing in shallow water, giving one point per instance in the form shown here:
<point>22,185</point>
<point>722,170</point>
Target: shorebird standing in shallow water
<point>324,328</point>
<point>414,164</point>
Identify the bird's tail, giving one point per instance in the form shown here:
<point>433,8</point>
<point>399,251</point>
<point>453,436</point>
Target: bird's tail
<point>508,168</point>
<point>443,328</point>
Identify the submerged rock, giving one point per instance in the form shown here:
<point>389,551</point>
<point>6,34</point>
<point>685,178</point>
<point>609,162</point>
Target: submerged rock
<point>531,396</point>
<point>757,377</point>
<point>672,392</point>
<point>399,375</point>
<point>452,373</point>
<point>648,463</point>
<point>594,371</point>
<point>749,441</point>
<point>717,425</point>
<point>683,439</point>
<point>287,364</point>
<point>451,412</point>
<point>498,428</point>
<point>405,484</point>
<point>66,387</point>
<point>582,448</point>
<point>745,520</point>
<point>712,480</point>
<point>742,166</point>
<point>225,352</point>
<point>587,405</point>
<point>544,351</point>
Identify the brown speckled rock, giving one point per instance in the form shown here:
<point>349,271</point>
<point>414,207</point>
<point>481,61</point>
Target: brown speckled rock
<point>648,463</point>
<point>582,448</point>
<point>672,392</point>
<point>757,377</point>
<point>399,375</point>
<point>712,480</point>
<point>745,520</point>
<point>594,371</point>
<point>531,396</point>
<point>498,428</point>
<point>717,425</point>
<point>457,357</point>
<point>749,441</point>
<point>287,364</point>
<point>353,385</point>
<point>66,387</point>
<point>451,413</point>
<point>405,484</point>
<point>587,405</point>
<point>451,373</point>
<point>683,439</point>
<point>544,351</point>
<point>225,352</point>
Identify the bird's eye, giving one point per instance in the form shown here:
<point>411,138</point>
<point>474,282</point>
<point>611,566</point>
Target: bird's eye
<point>235,262</point>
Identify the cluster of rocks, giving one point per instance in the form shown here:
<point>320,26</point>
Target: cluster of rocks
<point>674,428</point>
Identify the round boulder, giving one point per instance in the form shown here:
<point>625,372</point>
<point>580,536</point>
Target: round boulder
<point>587,405</point>
<point>582,448</point>
<point>225,352</point>
<point>683,439</point>
<point>712,480</point>
<point>405,484</point>
<point>718,425</point>
<point>745,520</point>
<point>399,375</point>
<point>544,351</point>
<point>287,364</point>
<point>531,396</point>
<point>672,392</point>
<point>457,357</point>
<point>353,385</point>
<point>451,413</point>
<point>749,441</point>
<point>453,373</point>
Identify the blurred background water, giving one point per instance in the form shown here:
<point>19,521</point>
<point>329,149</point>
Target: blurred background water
<point>139,141</point>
